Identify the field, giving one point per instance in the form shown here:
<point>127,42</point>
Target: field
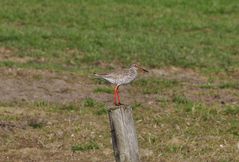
<point>53,109</point>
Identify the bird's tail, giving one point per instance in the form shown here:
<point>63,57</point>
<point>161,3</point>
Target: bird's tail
<point>94,75</point>
<point>97,75</point>
<point>100,75</point>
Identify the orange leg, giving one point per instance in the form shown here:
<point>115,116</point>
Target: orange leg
<point>117,90</point>
<point>115,93</point>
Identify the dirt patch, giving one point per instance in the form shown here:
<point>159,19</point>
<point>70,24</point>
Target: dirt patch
<point>192,86</point>
<point>212,96</point>
<point>34,85</point>
<point>6,54</point>
<point>5,125</point>
<point>180,74</point>
<point>39,85</point>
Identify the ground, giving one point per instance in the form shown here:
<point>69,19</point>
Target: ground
<point>52,108</point>
<point>62,116</point>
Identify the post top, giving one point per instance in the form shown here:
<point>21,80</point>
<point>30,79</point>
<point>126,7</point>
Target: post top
<point>119,107</point>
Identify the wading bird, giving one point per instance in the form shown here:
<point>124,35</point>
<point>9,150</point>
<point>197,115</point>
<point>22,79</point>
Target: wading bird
<point>121,77</point>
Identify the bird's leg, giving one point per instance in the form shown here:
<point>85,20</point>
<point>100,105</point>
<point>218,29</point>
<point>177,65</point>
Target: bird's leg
<point>117,90</point>
<point>115,93</point>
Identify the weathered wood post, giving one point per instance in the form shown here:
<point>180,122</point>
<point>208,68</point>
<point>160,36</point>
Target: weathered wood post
<point>124,139</point>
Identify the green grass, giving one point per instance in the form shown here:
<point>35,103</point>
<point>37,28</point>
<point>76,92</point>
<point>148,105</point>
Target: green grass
<point>104,90</point>
<point>73,35</point>
<point>180,100</point>
<point>229,85</point>
<point>233,110</point>
<point>177,118</point>
<point>89,102</point>
<point>224,85</point>
<point>85,147</point>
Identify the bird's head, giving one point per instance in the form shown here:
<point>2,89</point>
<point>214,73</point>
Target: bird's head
<point>137,67</point>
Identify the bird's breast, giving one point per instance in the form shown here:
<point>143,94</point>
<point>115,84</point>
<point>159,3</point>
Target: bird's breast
<point>126,79</point>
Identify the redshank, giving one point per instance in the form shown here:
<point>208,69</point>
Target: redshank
<point>121,77</point>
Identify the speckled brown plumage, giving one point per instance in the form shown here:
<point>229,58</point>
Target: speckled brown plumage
<point>121,77</point>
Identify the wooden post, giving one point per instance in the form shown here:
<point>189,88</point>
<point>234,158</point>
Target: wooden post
<point>124,139</point>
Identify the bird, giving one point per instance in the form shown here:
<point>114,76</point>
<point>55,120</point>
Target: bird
<point>119,78</point>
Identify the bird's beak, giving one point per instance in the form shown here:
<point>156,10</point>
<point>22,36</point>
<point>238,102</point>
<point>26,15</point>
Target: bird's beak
<point>142,69</point>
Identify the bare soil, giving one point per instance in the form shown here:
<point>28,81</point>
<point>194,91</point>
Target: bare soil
<point>38,85</point>
<point>6,54</point>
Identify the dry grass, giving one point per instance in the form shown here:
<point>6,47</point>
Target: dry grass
<point>179,121</point>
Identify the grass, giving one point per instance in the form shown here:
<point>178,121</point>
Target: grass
<point>229,85</point>
<point>191,130</point>
<point>199,35</point>
<point>104,90</point>
<point>85,147</point>
<point>233,110</point>
<point>89,102</point>
<point>179,116</point>
<point>223,85</point>
<point>155,85</point>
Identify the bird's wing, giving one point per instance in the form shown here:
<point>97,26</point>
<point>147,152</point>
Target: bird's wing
<point>112,77</point>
